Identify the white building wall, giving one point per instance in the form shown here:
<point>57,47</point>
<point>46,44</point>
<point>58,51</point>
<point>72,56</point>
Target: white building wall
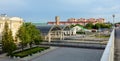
<point>13,22</point>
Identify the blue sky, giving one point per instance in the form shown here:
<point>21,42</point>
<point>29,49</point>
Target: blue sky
<point>46,10</point>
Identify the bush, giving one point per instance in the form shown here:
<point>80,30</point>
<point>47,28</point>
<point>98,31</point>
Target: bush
<point>80,32</point>
<point>28,52</point>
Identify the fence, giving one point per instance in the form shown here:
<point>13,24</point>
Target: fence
<point>108,54</point>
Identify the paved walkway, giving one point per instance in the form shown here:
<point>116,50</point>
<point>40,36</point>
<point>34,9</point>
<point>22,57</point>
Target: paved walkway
<point>117,45</point>
<point>71,54</point>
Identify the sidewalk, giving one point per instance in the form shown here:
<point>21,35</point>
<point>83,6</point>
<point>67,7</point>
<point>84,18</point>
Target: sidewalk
<point>3,55</point>
<point>117,45</point>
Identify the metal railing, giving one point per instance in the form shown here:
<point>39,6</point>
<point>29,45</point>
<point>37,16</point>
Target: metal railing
<point>108,54</point>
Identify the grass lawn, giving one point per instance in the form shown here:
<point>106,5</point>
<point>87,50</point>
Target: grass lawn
<point>28,52</point>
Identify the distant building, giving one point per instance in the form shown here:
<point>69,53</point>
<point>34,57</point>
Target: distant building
<point>81,21</point>
<point>13,22</point>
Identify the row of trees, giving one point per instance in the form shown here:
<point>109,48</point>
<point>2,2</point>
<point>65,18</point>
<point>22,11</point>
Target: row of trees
<point>27,35</point>
<point>96,26</point>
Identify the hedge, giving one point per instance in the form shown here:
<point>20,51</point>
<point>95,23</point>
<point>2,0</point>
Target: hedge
<point>28,52</point>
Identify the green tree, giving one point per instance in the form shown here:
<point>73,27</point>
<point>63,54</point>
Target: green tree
<point>97,26</point>
<point>106,25</point>
<point>8,44</point>
<point>34,33</point>
<point>79,25</point>
<point>72,26</point>
<point>102,25</point>
<point>23,36</point>
<point>28,34</point>
<point>89,26</point>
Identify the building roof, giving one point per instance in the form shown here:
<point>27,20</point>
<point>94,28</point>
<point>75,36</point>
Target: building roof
<point>44,29</point>
<point>66,28</point>
<point>80,28</point>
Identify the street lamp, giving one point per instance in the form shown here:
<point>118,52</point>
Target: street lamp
<point>113,20</point>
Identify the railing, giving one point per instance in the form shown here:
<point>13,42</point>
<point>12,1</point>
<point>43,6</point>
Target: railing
<point>108,54</point>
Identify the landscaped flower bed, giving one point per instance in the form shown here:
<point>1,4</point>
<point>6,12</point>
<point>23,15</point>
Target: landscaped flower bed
<point>28,52</point>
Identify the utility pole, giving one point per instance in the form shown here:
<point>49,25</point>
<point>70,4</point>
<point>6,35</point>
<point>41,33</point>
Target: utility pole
<point>113,21</point>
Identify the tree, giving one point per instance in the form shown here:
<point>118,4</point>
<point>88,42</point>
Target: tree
<point>71,26</point>
<point>79,25</point>
<point>106,25</point>
<point>23,36</point>
<point>27,34</point>
<point>89,26</point>
<point>8,44</point>
<point>97,26</point>
<point>34,33</point>
<point>102,25</point>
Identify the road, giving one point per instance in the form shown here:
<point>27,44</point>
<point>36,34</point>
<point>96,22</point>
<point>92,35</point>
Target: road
<point>117,44</point>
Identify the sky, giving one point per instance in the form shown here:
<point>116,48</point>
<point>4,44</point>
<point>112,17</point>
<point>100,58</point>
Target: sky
<point>42,11</point>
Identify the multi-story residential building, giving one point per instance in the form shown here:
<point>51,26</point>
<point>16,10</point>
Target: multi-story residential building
<point>72,20</point>
<point>81,21</point>
<point>13,22</point>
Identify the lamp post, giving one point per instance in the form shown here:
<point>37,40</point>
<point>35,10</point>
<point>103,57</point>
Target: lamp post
<point>113,20</point>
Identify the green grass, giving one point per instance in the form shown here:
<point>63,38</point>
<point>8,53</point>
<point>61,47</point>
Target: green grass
<point>28,52</point>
